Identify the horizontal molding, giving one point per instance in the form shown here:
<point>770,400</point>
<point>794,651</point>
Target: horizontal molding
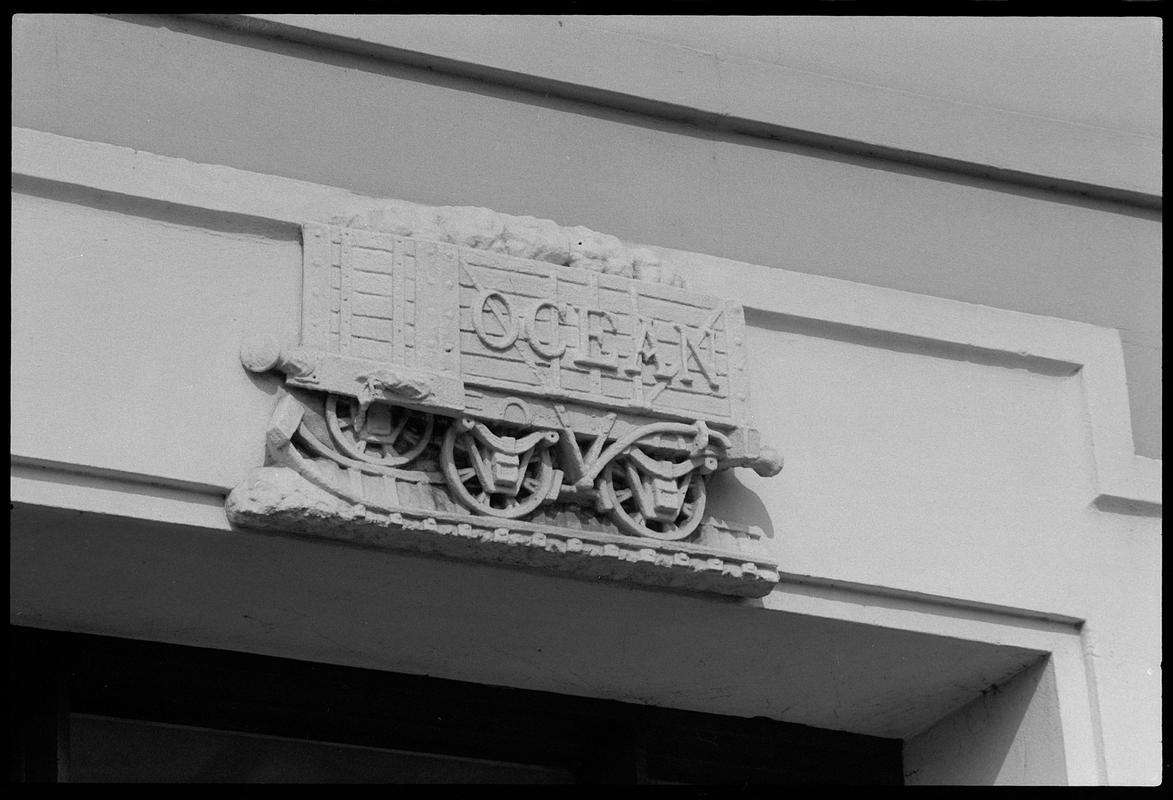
<point>568,58</point>
<point>874,596</point>
<point>868,311</point>
<point>93,490</point>
<point>119,496</point>
<point>114,493</point>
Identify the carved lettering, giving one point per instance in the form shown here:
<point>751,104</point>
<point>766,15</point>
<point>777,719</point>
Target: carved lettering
<point>504,317</point>
<point>589,336</point>
<point>692,350</point>
<point>645,351</point>
<point>555,347</point>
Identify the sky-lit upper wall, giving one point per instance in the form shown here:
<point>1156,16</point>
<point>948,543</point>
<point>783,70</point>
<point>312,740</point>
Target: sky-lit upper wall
<point>1089,71</point>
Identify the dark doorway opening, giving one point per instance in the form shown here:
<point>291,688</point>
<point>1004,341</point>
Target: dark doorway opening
<point>97,709</point>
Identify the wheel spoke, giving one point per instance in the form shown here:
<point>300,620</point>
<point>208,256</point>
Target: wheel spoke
<point>465,459</point>
<point>394,435</point>
<point>475,456</point>
<point>633,477</point>
<point>523,467</point>
<point>629,487</point>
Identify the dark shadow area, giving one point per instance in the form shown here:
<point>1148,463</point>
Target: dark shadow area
<point>123,699</point>
<point>268,382</point>
<point>652,115</point>
<point>1021,742</point>
<point>1133,508</point>
<point>730,499</point>
<point>331,601</point>
<point>904,343</point>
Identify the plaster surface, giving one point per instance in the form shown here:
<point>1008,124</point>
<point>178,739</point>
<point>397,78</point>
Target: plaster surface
<point>932,437</point>
<point>1090,71</point>
<point>337,603</point>
<point>885,83</point>
<point>1006,737</point>
<point>962,456</point>
<point>942,483</point>
<point>147,314</point>
<point>965,462</point>
<point>784,205</point>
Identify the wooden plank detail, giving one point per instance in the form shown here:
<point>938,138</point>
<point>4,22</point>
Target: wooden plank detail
<point>738,369</point>
<point>346,291</point>
<point>411,269</point>
<point>316,292</point>
<point>411,302</point>
<point>398,303</point>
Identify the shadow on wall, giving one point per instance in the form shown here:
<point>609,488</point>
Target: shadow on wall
<point>1010,735</point>
<point>730,499</point>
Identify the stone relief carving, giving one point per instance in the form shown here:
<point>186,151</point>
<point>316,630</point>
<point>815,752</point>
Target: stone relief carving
<point>502,388</point>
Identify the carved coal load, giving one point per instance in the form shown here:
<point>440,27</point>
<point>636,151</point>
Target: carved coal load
<point>487,405</point>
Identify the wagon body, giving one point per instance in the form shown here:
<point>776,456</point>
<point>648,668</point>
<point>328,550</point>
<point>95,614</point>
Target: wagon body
<point>513,384</point>
<point>528,343</point>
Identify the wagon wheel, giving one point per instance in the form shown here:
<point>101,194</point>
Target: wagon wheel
<point>387,435</point>
<point>460,456</point>
<point>623,478</point>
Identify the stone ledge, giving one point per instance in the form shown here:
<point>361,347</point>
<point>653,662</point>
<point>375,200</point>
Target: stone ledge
<point>278,499</point>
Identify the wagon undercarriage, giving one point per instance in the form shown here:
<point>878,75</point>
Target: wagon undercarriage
<point>650,481</point>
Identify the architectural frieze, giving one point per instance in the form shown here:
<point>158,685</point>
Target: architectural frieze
<point>504,389</point>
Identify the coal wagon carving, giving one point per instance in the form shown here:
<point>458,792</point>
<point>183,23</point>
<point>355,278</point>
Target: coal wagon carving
<point>568,409</point>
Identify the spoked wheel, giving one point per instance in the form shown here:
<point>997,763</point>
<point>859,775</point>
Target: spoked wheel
<point>659,506</point>
<point>492,482</point>
<point>387,435</point>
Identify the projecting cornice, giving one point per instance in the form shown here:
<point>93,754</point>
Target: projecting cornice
<point>561,56</point>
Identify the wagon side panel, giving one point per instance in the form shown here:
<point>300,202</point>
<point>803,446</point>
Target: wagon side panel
<point>688,334</point>
<point>373,302</point>
<point>738,368</point>
<point>321,267</point>
<point>494,335</point>
<point>578,336</point>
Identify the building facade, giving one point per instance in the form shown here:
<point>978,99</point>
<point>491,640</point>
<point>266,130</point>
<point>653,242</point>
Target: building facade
<point>937,244</point>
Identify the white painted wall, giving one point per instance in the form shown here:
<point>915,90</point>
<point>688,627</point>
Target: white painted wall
<point>1099,71</point>
<point>1003,738</point>
<point>934,449</point>
<point>370,124</point>
<point>954,470</point>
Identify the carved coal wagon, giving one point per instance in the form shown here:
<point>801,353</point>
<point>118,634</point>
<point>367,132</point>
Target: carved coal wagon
<point>469,380</point>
